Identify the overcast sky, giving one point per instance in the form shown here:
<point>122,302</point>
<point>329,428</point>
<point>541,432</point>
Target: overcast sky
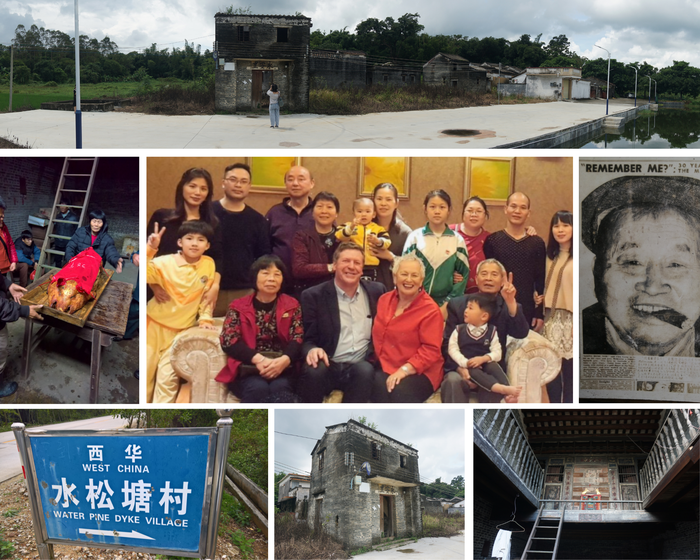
<point>636,31</point>
<point>438,435</point>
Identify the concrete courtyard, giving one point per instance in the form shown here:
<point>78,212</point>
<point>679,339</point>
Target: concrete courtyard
<point>491,126</point>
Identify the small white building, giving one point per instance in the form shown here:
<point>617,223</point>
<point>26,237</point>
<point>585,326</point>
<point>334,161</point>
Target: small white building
<point>553,83</point>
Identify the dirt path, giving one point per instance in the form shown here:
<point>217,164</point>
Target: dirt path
<point>16,528</point>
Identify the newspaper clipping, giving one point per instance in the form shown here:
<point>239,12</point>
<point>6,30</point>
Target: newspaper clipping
<point>640,279</point>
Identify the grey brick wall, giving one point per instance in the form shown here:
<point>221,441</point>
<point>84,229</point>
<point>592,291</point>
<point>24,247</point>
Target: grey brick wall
<point>263,50</point>
<point>352,516</point>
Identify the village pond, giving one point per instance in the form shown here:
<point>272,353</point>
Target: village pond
<point>665,128</point>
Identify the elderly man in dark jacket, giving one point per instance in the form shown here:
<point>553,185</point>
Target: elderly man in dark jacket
<point>508,319</point>
<point>10,311</point>
<point>103,243</point>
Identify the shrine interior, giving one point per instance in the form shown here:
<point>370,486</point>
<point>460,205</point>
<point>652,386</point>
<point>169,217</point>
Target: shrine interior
<point>612,483</point>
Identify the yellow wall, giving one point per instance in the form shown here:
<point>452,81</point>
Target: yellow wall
<point>548,181</point>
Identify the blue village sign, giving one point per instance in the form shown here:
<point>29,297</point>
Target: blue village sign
<point>149,490</point>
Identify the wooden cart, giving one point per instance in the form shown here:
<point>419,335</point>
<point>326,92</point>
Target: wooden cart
<point>104,318</point>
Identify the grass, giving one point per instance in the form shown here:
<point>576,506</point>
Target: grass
<point>244,544</point>
<point>10,513</point>
<point>380,98</point>
<point>442,525</point>
<point>295,540</point>
<point>233,509</point>
<point>7,549</point>
<point>31,96</point>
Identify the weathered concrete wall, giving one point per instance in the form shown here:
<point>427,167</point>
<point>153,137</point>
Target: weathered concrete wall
<point>581,89</point>
<point>393,75</point>
<point>352,515</point>
<point>544,87</point>
<point>512,89</point>
<point>455,74</point>
<point>334,70</point>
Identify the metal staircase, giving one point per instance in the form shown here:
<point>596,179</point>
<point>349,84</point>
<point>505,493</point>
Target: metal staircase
<point>75,184</point>
<point>544,545</point>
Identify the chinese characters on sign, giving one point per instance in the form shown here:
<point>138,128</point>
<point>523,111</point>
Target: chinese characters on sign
<point>115,489</point>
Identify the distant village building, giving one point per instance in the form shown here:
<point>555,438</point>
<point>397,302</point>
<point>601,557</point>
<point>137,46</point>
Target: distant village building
<point>393,73</point>
<point>294,494</point>
<point>364,486</point>
<point>549,83</point>
<point>254,51</point>
<point>599,89</point>
<point>335,69</point>
<point>453,70</point>
<point>594,483</point>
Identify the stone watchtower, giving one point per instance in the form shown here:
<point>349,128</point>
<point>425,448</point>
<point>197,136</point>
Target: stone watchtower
<point>254,51</point>
<point>364,486</point>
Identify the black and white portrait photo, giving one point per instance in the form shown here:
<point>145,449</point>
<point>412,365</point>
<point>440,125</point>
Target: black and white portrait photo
<point>640,279</point>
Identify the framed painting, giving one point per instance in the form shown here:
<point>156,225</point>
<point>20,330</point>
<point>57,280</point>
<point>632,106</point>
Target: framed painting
<point>375,170</point>
<point>268,173</point>
<point>491,179</point>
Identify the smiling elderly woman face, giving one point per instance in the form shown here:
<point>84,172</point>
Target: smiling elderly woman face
<point>409,273</point>
<point>647,272</point>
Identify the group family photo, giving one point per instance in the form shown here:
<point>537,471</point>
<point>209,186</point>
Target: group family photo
<point>360,279</point>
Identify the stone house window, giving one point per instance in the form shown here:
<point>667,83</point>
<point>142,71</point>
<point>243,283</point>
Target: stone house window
<point>376,451</point>
<point>321,456</point>
<point>244,33</point>
<point>349,458</point>
<point>402,461</point>
<point>386,78</point>
<point>282,35</point>
<point>454,83</point>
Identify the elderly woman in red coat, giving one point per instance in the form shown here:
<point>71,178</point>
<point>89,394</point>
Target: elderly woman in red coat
<point>262,337</point>
<point>407,336</point>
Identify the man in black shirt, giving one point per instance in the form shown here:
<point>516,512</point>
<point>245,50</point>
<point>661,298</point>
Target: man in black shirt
<point>244,233</point>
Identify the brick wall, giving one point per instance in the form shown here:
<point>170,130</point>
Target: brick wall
<point>27,184</point>
<point>352,516</point>
<point>683,541</point>
<point>262,50</point>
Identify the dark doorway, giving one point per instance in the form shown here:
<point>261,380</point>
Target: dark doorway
<point>386,515</point>
<point>262,79</point>
<point>318,516</point>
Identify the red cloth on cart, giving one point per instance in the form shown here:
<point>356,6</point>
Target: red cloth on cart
<point>83,268</point>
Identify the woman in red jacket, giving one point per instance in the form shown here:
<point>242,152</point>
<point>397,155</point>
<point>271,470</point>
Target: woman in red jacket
<point>8,253</point>
<point>262,337</point>
<point>407,336</point>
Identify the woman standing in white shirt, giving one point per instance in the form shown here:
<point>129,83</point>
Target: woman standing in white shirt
<point>274,95</point>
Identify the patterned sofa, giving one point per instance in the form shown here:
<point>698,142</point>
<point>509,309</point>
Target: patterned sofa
<point>197,358</point>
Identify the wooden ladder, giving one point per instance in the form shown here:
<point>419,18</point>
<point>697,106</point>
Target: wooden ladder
<point>81,172</point>
<point>544,545</point>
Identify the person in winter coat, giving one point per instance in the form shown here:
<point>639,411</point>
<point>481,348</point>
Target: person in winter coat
<point>10,311</point>
<point>28,255</point>
<point>95,235</point>
<point>62,227</point>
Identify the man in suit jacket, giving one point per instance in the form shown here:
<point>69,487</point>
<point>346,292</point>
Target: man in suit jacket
<point>509,320</point>
<point>338,317</point>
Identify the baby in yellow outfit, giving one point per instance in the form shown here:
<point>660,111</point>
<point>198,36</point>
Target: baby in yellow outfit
<point>366,233</point>
<point>186,277</point>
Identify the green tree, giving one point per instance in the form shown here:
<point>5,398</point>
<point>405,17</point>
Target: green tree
<point>278,478</point>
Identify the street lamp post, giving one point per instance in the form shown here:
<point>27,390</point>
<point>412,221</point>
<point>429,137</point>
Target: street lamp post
<point>607,94</point>
<point>656,98</point>
<point>635,85</point>
<point>78,117</point>
<point>648,76</point>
